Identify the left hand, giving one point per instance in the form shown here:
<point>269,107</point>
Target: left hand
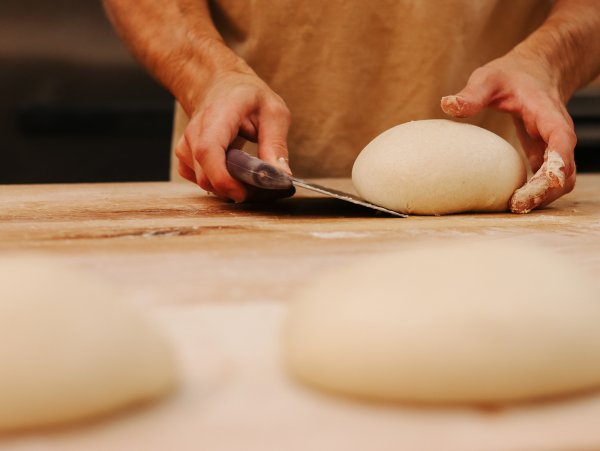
<point>517,85</point>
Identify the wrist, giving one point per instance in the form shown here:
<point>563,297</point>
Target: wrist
<point>546,60</point>
<point>564,47</point>
<point>542,67</point>
<point>205,61</point>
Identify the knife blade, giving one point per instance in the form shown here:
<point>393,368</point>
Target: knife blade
<point>256,172</point>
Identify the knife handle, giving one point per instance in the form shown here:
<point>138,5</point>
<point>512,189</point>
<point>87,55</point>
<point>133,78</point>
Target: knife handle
<point>256,172</point>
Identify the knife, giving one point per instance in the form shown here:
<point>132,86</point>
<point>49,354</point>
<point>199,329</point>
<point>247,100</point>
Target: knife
<point>256,172</point>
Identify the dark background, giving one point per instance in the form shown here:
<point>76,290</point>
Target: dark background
<point>75,106</point>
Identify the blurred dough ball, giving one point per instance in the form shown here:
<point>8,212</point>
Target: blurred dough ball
<point>435,167</point>
<point>71,348</point>
<point>472,322</point>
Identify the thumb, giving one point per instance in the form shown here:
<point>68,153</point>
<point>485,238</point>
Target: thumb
<point>272,138</point>
<point>476,95</point>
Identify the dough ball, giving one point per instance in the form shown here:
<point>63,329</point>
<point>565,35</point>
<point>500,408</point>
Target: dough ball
<point>475,322</point>
<point>70,348</point>
<point>436,167</point>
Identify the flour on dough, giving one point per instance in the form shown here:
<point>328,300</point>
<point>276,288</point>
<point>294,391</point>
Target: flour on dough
<point>438,167</point>
<point>472,322</point>
<point>71,348</point>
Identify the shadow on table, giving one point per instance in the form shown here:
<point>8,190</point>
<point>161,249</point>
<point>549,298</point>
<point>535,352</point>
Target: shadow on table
<point>303,207</point>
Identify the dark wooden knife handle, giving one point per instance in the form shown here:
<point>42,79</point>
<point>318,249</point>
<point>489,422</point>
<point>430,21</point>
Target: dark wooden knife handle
<point>256,172</point>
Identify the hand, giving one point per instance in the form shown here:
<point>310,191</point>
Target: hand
<point>518,85</point>
<point>237,106</point>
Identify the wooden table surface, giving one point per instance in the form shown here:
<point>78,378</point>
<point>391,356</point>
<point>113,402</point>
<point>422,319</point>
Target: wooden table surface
<point>217,278</point>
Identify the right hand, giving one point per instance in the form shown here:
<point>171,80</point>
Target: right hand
<point>521,85</point>
<point>237,106</point>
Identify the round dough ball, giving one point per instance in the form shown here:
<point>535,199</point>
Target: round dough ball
<point>477,323</point>
<point>70,348</point>
<point>436,167</point>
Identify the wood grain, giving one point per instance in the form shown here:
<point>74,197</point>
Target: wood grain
<point>217,277</point>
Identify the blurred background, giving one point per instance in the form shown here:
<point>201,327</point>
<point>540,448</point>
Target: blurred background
<point>76,107</point>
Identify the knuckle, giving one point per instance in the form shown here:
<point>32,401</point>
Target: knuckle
<point>194,142</point>
<point>277,108</point>
<point>484,75</point>
<point>481,72</point>
<point>279,147</point>
<point>286,114</point>
<point>225,187</point>
<point>200,151</point>
<point>203,183</point>
<point>186,173</point>
<point>183,171</point>
<point>571,136</point>
<point>180,153</point>
<point>208,110</point>
<point>221,185</point>
<point>181,149</point>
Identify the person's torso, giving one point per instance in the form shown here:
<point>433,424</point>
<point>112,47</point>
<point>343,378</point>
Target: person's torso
<point>350,69</point>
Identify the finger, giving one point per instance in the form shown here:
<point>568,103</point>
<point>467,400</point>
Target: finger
<point>238,143</point>
<point>202,180</point>
<point>248,129</point>
<point>547,122</point>
<point>183,153</point>
<point>554,193</point>
<point>547,185</point>
<point>480,91</point>
<point>560,138</point>
<point>208,141</point>
<point>534,148</point>
<point>186,172</point>
<point>186,167</point>
<point>210,175</point>
<point>529,198</point>
<point>557,174</point>
<point>274,123</point>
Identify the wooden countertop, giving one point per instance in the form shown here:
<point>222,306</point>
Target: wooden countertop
<point>217,277</point>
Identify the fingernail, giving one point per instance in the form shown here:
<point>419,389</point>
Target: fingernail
<point>519,207</point>
<point>236,197</point>
<point>283,163</point>
<point>454,100</point>
<point>452,105</point>
<point>525,199</point>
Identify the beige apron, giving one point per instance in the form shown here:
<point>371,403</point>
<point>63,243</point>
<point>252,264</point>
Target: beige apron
<point>350,69</point>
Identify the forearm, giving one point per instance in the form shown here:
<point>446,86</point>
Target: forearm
<point>567,45</point>
<point>177,42</point>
